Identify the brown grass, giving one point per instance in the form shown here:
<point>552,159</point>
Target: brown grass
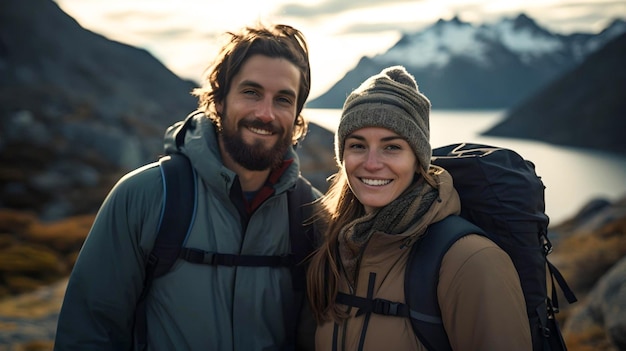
<point>40,345</point>
<point>33,253</point>
<point>593,339</point>
<point>15,222</point>
<point>65,235</point>
<point>585,257</point>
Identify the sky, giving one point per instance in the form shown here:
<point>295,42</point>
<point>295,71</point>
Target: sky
<point>185,35</point>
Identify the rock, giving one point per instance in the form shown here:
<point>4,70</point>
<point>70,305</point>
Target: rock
<point>591,218</point>
<point>28,322</point>
<point>317,158</point>
<point>121,148</point>
<point>22,125</point>
<point>605,307</point>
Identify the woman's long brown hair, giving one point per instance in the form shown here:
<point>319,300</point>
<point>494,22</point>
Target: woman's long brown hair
<point>339,207</point>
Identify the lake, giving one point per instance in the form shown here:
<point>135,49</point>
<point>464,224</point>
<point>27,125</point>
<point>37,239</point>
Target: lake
<point>572,176</point>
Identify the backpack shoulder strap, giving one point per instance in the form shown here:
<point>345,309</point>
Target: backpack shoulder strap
<point>178,211</point>
<point>179,203</point>
<point>422,278</point>
<point>301,231</point>
<point>302,242</point>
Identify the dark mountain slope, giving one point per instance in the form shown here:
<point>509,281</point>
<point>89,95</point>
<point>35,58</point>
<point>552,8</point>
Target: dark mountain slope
<point>42,47</point>
<point>584,108</point>
<point>78,110</point>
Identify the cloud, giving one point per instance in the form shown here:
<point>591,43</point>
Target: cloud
<point>333,7</point>
<point>364,17</point>
<point>159,24</point>
<point>134,15</point>
<point>374,28</point>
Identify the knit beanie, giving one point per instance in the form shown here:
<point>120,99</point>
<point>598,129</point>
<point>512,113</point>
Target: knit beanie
<point>392,100</point>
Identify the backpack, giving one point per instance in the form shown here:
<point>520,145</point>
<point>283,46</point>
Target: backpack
<point>502,198</point>
<point>176,222</point>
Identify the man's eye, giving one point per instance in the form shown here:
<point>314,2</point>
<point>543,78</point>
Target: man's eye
<point>284,100</point>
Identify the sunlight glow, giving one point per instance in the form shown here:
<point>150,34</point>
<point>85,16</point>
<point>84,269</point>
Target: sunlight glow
<point>185,37</point>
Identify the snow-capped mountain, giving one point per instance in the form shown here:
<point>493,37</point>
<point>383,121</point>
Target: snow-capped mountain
<point>437,47</point>
<point>460,65</point>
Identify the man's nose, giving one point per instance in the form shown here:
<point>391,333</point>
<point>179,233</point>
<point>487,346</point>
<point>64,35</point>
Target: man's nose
<point>265,110</point>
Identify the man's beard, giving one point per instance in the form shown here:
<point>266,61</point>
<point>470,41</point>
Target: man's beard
<point>256,156</point>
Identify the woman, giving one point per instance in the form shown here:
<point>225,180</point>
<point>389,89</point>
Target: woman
<point>382,200</point>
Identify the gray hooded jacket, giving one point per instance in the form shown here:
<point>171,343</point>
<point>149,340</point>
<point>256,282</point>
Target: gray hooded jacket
<point>193,307</point>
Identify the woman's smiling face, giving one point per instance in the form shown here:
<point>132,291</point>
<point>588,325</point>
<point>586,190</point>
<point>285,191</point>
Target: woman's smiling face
<point>379,165</point>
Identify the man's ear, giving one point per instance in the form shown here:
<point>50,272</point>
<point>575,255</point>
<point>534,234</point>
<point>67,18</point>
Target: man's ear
<point>219,107</point>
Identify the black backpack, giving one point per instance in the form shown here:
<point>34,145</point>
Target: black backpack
<point>179,209</point>
<point>502,198</point>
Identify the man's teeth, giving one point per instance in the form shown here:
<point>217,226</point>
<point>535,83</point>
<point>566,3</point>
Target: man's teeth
<point>375,182</point>
<point>260,131</point>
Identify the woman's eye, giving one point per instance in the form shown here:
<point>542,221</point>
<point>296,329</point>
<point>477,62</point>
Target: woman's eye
<point>356,146</point>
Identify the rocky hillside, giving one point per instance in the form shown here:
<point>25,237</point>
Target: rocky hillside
<point>589,249</point>
<point>78,110</point>
<point>585,108</point>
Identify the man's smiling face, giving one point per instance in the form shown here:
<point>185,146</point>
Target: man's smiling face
<point>259,112</point>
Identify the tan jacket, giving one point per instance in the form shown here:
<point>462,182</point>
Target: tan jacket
<point>479,293</point>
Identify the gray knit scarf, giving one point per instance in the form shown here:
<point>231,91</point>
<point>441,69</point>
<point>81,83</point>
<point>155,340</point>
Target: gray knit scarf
<point>394,218</point>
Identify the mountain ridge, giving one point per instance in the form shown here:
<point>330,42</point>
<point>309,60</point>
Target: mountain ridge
<point>491,66</point>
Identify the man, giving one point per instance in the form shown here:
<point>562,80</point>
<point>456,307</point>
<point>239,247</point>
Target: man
<point>239,143</point>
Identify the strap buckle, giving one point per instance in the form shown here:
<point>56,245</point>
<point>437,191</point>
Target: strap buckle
<point>385,307</point>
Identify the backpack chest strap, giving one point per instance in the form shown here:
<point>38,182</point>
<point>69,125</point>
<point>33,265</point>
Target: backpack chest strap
<point>220,259</point>
<point>384,307</point>
<point>378,306</point>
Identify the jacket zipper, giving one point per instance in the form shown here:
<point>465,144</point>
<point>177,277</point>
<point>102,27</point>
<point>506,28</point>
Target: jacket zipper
<point>351,290</point>
<point>370,295</point>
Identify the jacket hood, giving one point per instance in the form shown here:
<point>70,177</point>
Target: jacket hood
<point>196,138</point>
<point>448,203</point>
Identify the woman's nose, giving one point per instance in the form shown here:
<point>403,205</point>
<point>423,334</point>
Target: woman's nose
<point>373,160</point>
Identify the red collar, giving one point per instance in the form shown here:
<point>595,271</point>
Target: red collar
<point>268,188</point>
